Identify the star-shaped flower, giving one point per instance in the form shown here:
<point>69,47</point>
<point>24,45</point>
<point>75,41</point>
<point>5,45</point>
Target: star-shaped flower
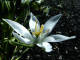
<point>39,34</point>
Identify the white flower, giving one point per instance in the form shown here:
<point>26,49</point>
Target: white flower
<point>24,1</point>
<point>39,34</point>
<point>39,1</point>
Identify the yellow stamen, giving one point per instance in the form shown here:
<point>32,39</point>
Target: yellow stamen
<point>41,29</point>
<point>36,26</point>
<point>36,33</point>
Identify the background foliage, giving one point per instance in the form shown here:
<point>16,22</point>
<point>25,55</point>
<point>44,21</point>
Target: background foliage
<point>18,10</point>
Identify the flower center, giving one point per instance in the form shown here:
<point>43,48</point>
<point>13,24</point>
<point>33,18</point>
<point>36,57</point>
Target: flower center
<point>36,33</point>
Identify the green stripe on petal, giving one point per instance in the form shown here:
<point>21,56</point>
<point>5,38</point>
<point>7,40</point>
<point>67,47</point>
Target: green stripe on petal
<point>58,38</point>
<point>24,40</point>
<point>34,22</point>
<point>50,24</point>
<point>20,29</point>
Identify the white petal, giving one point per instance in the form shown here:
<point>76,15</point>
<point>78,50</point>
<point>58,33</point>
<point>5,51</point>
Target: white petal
<point>39,1</point>
<point>41,37</point>
<point>46,46</point>
<point>24,1</point>
<point>32,23</point>
<point>18,28</point>
<point>25,40</point>
<point>58,38</point>
<point>50,24</point>
<point>49,39</point>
